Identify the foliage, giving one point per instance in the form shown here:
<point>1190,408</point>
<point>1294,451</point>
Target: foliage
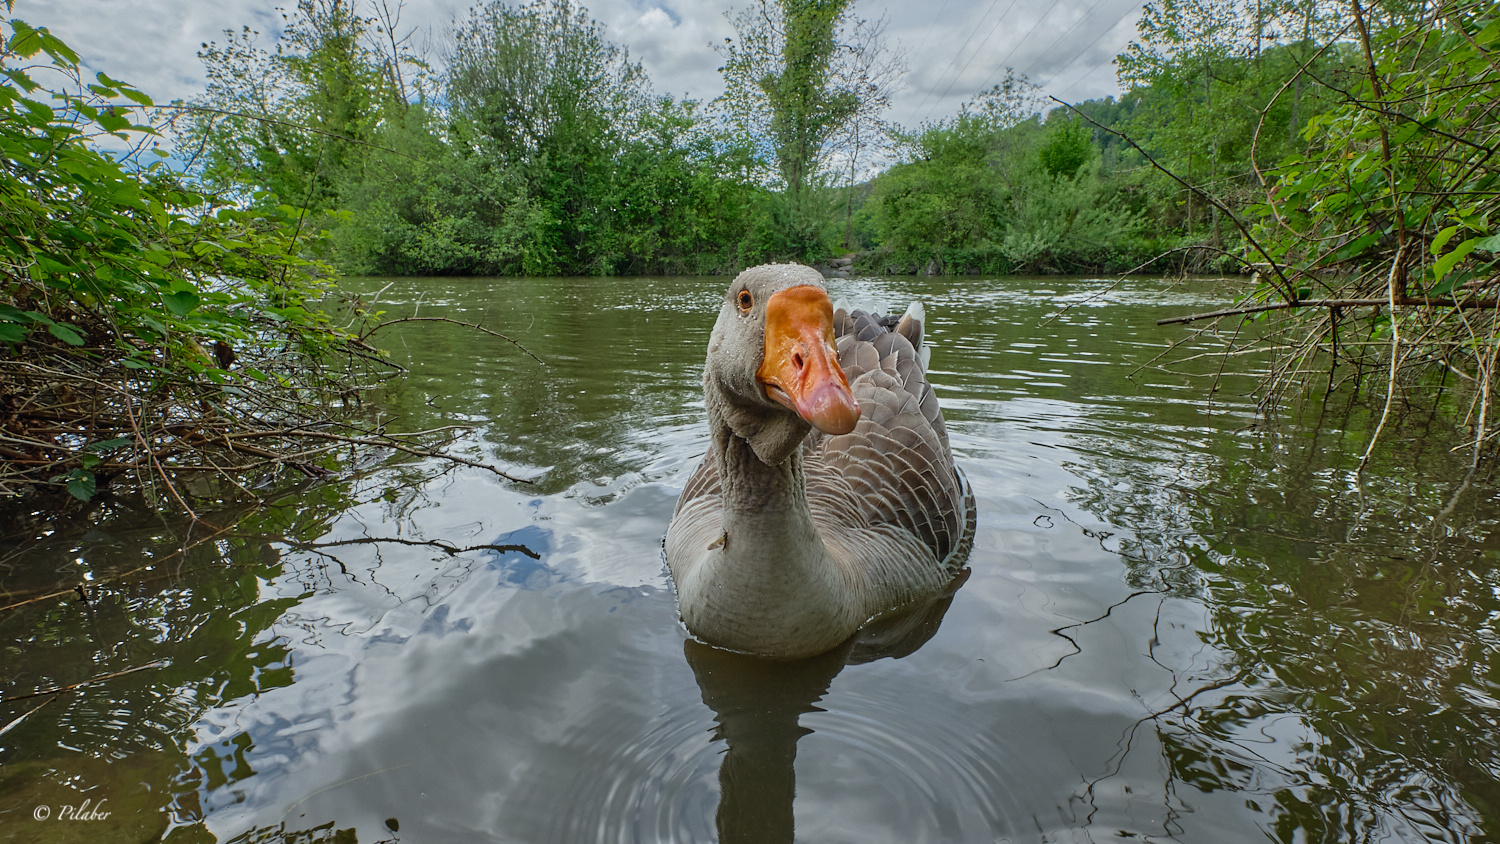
<point>526,79</point>
<point>1220,90</point>
<point>132,259</point>
<point>806,87</point>
<point>287,127</point>
<point>543,150</point>
<point>997,190</point>
<point>118,277</point>
<point>1070,147</point>
<point>1395,202</point>
<point>1375,230</point>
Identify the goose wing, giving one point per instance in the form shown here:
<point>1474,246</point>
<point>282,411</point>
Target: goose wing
<point>895,468</point>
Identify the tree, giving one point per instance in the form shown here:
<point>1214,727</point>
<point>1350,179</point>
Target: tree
<point>532,77</point>
<point>1070,146</point>
<point>995,189</point>
<point>294,120</point>
<point>1210,74</point>
<point>806,84</point>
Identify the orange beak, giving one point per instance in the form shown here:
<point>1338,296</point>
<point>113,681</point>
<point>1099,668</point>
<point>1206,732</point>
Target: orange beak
<point>800,369</point>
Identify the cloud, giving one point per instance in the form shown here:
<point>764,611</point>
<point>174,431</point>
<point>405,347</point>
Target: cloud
<point>155,48</point>
<point>955,48</point>
<point>962,49</point>
<point>675,46</point>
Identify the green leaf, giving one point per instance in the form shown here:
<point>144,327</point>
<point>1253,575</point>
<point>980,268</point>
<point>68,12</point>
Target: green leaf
<point>65,333</point>
<point>1442,238</point>
<point>92,461</point>
<point>136,96</point>
<point>1490,244</point>
<point>52,267</point>
<point>113,122</point>
<point>1489,33</point>
<point>153,324</point>
<point>1405,132</point>
<point>25,42</point>
<point>82,485</point>
<point>12,333</point>
<point>109,445</point>
<point>181,302</point>
<point>56,48</point>
<point>1443,265</point>
<point>22,81</point>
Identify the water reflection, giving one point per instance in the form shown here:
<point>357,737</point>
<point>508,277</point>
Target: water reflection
<point>757,704</point>
<point>1177,627</point>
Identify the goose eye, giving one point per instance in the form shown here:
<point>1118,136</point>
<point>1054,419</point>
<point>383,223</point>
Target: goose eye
<point>746,301</point>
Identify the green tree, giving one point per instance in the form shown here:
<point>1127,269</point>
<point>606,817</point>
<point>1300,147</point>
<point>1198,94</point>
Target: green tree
<point>290,122</point>
<point>552,157</point>
<point>996,190</point>
<point>806,84</point>
<point>1211,103</point>
<point>1070,145</point>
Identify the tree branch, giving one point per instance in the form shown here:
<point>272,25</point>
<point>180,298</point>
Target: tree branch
<point>1399,301</point>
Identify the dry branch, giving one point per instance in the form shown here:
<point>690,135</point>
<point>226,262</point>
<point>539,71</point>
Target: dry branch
<point>90,419</point>
<point>1400,302</point>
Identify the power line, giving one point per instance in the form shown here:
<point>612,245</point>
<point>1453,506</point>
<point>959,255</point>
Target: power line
<point>959,52</point>
<point>1090,46</point>
<point>1022,39</point>
<point>935,18</point>
<point>975,55</point>
<point>1081,21</point>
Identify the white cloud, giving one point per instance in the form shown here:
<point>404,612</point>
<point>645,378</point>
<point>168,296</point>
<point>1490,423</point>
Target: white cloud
<point>675,48</point>
<point>955,47</point>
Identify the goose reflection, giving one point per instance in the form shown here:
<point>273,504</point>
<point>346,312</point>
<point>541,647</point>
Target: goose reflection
<point>757,702</point>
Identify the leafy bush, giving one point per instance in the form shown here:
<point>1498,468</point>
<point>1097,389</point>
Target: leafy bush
<point>137,313</point>
<point>997,191</point>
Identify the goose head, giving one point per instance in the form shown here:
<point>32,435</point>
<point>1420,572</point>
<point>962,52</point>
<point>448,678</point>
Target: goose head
<point>773,371</point>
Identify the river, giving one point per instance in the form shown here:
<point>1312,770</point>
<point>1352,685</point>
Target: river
<point>1181,622</point>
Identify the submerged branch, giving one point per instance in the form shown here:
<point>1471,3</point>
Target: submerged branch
<point>160,663</point>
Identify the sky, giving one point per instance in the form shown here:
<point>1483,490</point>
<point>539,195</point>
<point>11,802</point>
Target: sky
<point>954,48</point>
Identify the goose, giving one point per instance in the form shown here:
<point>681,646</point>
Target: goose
<point>828,495</point>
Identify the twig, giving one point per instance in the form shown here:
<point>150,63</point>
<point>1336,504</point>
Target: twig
<point>1390,389</point>
<point>448,548</point>
<point>8,727</point>
<point>420,452</point>
<point>1391,301</point>
<point>119,576</point>
<point>454,322</point>
<point>101,678</point>
<point>145,446</point>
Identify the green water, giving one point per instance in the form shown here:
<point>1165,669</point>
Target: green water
<point>1179,624</point>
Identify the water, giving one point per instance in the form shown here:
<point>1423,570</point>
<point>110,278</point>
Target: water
<point>1179,625</point>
